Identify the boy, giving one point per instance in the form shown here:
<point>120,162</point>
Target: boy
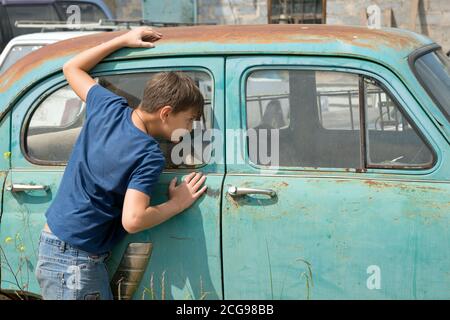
<point>106,188</point>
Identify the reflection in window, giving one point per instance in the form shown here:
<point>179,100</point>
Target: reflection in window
<point>34,12</point>
<point>89,12</point>
<point>391,140</point>
<point>315,114</point>
<point>17,52</point>
<point>55,126</point>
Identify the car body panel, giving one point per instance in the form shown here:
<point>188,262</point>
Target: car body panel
<point>328,229</point>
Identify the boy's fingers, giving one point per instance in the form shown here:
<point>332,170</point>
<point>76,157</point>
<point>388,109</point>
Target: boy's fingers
<point>200,192</point>
<point>151,33</point>
<point>195,179</point>
<point>173,183</point>
<point>189,177</point>
<point>145,44</point>
<point>199,183</point>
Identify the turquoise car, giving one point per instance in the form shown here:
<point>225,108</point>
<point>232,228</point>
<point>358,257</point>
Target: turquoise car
<point>351,199</point>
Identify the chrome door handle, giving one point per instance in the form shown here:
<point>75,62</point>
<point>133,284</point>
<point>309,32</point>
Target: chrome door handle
<point>237,191</point>
<point>19,187</point>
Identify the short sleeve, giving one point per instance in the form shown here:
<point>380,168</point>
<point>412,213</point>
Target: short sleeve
<point>146,175</point>
<point>100,99</point>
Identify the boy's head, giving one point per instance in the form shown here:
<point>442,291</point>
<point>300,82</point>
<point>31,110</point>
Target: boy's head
<point>175,98</point>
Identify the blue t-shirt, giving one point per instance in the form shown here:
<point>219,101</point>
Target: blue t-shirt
<point>110,155</point>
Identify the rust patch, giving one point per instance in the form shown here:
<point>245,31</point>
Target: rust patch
<point>232,201</point>
<point>248,34</point>
<point>213,192</point>
<point>283,184</point>
<point>377,184</point>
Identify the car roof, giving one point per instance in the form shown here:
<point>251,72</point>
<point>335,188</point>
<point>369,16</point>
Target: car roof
<point>387,46</point>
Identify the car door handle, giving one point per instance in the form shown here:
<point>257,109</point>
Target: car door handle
<point>19,187</point>
<point>238,191</point>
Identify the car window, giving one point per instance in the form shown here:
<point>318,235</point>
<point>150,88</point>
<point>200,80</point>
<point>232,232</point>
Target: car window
<point>311,118</point>
<point>391,140</point>
<point>433,69</point>
<point>56,123</point>
<point>36,12</point>
<point>306,118</point>
<point>17,52</point>
<point>89,11</point>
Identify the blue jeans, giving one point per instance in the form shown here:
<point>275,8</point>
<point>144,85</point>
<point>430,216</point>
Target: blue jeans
<point>67,273</point>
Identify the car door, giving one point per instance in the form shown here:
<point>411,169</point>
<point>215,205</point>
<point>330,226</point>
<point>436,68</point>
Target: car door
<point>179,259</point>
<point>336,187</point>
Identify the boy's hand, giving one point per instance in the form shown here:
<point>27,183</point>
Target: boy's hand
<point>185,194</point>
<point>142,37</point>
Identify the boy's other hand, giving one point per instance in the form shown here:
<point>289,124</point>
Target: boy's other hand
<point>185,194</point>
<point>142,37</point>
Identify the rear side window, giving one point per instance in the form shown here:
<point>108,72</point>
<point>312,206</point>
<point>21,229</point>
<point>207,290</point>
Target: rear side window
<point>56,123</point>
<point>307,118</point>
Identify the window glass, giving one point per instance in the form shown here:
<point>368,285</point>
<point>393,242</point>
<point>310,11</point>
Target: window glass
<point>53,129</point>
<point>35,12</point>
<point>303,118</point>
<point>55,126</point>
<point>434,70</point>
<point>132,88</point>
<point>89,11</point>
<point>297,11</point>
<point>16,53</point>
<point>391,140</point>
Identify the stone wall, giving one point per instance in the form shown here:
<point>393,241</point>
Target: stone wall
<point>433,18</point>
<point>125,9</point>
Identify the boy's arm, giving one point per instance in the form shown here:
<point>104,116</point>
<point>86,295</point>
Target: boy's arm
<point>76,70</point>
<point>137,215</point>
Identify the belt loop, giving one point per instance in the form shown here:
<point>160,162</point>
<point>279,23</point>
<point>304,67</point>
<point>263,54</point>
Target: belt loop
<point>62,246</point>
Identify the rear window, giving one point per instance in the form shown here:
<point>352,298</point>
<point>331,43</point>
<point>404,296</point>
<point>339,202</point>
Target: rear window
<point>433,69</point>
<point>36,12</point>
<point>89,12</point>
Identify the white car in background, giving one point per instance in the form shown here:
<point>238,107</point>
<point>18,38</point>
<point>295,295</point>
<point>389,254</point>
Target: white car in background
<point>20,46</point>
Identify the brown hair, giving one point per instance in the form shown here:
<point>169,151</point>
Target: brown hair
<point>174,89</point>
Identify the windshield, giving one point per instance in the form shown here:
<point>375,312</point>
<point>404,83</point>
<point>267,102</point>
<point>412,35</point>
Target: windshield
<point>16,53</point>
<point>433,69</point>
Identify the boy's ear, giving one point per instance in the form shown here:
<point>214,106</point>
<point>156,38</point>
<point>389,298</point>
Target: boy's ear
<point>164,112</point>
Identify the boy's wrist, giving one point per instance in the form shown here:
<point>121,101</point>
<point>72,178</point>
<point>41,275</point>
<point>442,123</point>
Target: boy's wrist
<point>120,41</point>
<point>175,206</point>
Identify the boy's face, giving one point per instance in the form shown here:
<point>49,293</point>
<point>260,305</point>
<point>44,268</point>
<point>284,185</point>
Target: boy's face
<point>175,121</point>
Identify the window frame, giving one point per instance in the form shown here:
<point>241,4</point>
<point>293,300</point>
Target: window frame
<point>362,74</point>
<point>47,93</point>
